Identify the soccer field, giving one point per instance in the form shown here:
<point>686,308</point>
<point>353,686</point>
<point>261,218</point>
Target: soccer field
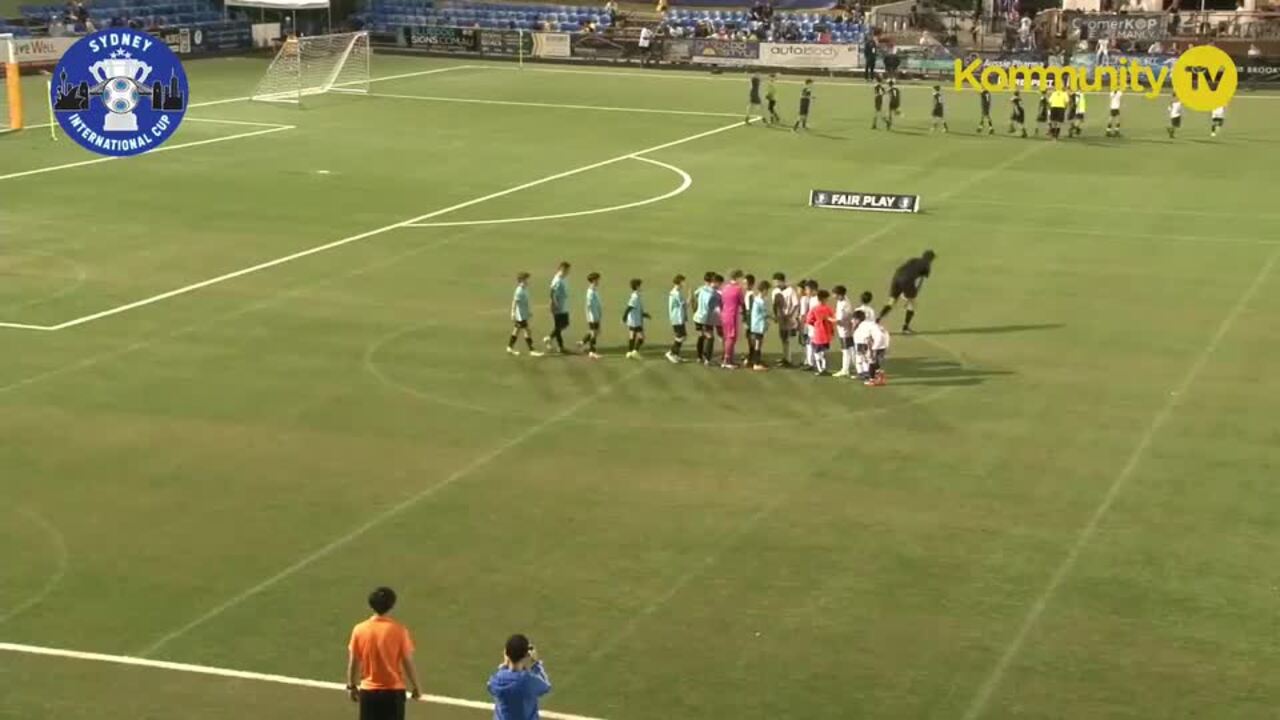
<point>250,377</point>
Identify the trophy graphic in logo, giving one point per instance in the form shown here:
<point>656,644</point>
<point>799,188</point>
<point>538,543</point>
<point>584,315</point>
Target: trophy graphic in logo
<point>120,79</point>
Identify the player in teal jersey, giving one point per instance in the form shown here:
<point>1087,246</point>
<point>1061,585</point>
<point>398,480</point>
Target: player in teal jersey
<point>594,312</point>
<point>678,311</point>
<point>559,307</point>
<point>634,317</point>
<point>758,326</point>
<point>520,316</point>
<point>703,304</point>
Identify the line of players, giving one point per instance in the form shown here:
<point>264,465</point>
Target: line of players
<point>1056,109</point>
<point>719,308</point>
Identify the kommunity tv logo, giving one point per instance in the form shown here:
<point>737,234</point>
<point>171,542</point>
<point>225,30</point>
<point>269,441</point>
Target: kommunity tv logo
<point>1203,77</point>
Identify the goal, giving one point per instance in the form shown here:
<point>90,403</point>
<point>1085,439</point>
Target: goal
<point>315,65</point>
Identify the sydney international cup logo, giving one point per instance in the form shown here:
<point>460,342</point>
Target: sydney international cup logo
<point>119,92</point>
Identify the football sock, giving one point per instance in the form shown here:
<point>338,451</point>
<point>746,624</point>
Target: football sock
<point>639,342</point>
<point>702,343</point>
<point>591,342</point>
<point>528,340</point>
<point>884,312</point>
<point>906,324</point>
<point>675,348</point>
<point>631,345</point>
<point>512,342</point>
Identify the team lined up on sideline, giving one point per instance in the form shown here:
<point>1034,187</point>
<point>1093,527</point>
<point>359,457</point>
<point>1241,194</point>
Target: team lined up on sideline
<point>1057,108</point>
<point>720,308</point>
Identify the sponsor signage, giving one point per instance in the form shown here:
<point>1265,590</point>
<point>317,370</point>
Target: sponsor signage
<point>1143,27</point>
<point>552,45</point>
<point>208,38</point>
<point>504,42</point>
<point>796,55</point>
<point>725,52</point>
<point>1257,70</point>
<point>444,39</point>
<point>41,51</point>
<point>875,202</point>
<point>676,49</point>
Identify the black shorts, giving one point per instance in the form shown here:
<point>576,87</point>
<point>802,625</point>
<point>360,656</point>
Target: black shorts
<point>561,320</point>
<point>1057,114</point>
<point>522,324</point>
<point>773,103</point>
<point>804,108</point>
<point>860,347</point>
<point>1218,122</point>
<point>636,328</point>
<point>1176,122</point>
<point>758,337</point>
<point>680,331</point>
<point>1115,112</point>
<point>901,287</point>
<point>1079,117</point>
<point>382,704</point>
<point>702,327</point>
<point>821,348</point>
<point>1019,117</point>
<point>937,112</point>
<point>754,100</point>
<point>846,343</point>
<point>593,326</point>
<point>879,104</point>
<point>893,108</point>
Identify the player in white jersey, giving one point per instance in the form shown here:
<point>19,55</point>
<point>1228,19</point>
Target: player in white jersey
<point>865,307</point>
<point>1175,117</point>
<point>879,349</point>
<point>844,329</point>
<point>786,313</point>
<point>1113,122</point>
<point>1217,120</point>
<point>805,304</point>
<point>863,338</point>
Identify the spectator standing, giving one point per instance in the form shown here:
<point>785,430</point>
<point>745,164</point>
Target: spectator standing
<point>379,660</point>
<point>869,56</point>
<point>518,682</point>
<point>646,45</point>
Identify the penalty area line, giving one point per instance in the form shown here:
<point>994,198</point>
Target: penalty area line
<point>378,231</point>
<point>246,675</point>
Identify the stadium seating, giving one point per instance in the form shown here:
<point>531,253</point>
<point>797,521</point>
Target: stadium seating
<point>15,30</point>
<point>389,15</point>
<point>191,13</point>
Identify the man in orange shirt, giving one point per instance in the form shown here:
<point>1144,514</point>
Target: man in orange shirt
<point>380,657</point>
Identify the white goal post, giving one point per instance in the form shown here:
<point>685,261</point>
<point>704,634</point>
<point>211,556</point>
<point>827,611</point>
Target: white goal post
<point>315,65</point>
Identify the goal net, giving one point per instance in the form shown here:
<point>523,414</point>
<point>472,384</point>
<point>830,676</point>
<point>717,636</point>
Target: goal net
<point>316,65</point>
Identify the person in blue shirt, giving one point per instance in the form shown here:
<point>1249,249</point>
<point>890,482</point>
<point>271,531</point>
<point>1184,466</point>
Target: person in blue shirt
<point>520,316</point>
<point>678,311</point>
<point>518,682</point>
<point>703,301</point>
<point>758,326</point>
<point>634,316</point>
<point>594,310</point>
<point>559,308</point>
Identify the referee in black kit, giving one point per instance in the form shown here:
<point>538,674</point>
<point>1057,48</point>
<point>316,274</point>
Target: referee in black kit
<point>907,281</point>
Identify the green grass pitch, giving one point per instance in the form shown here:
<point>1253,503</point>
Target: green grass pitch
<point>1063,505</point>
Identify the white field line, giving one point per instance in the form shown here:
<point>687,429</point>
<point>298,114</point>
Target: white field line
<point>983,697</point>
<point>248,123</point>
<point>391,512</point>
<point>369,233</point>
<point>246,98</point>
<point>1111,235</point>
<point>685,183</point>
<point>245,675</point>
<point>161,149</point>
<point>554,106</point>
<point>59,543</point>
